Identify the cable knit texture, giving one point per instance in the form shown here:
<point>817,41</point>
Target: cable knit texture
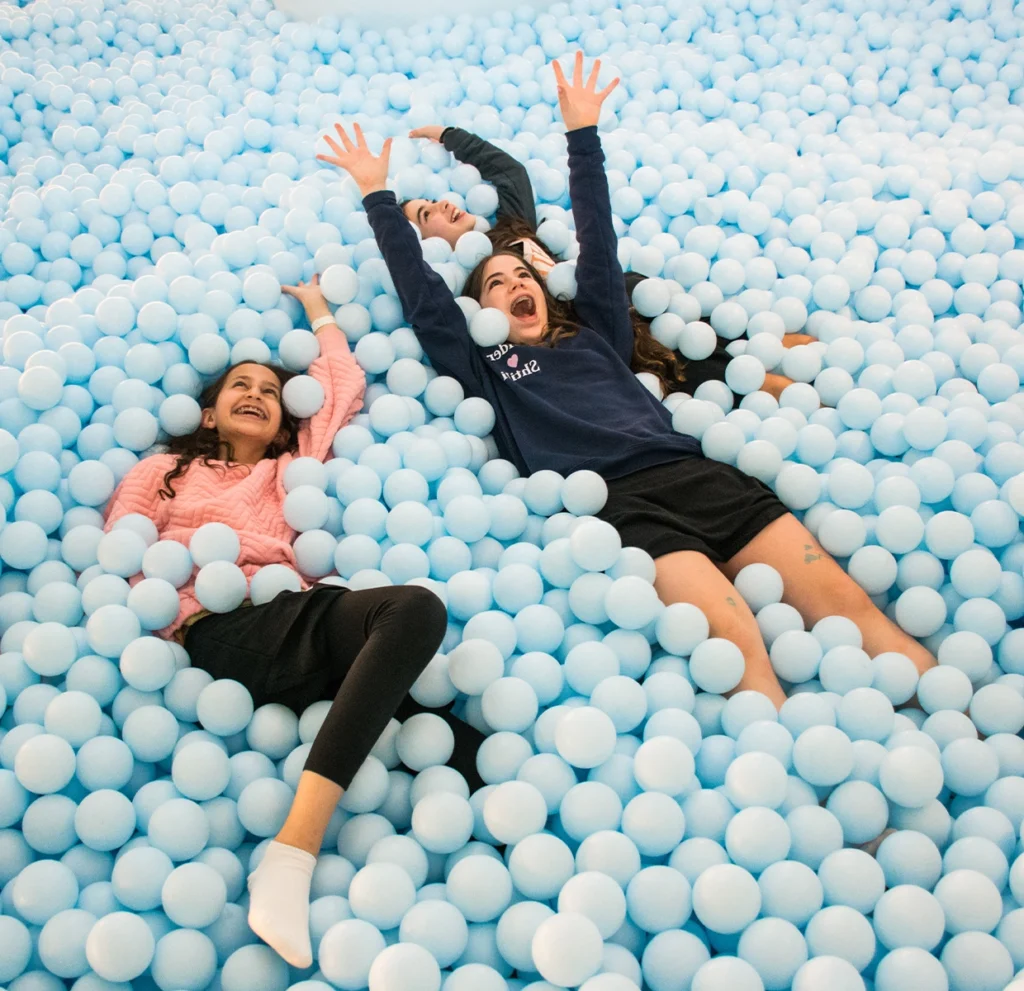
<point>248,498</point>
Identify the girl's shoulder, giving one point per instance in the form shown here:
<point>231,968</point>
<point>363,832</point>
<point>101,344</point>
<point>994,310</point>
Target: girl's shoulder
<point>155,464</point>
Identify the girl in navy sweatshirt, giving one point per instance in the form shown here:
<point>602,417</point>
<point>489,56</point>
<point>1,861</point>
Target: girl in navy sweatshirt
<point>516,228</point>
<point>565,399</point>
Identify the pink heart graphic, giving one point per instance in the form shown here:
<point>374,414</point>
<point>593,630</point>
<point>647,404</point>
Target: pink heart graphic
<point>513,361</point>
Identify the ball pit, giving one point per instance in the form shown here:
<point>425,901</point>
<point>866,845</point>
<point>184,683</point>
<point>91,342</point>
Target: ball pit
<point>848,172</point>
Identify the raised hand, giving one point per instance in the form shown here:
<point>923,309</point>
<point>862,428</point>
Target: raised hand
<point>310,296</point>
<point>369,171</point>
<point>581,102</point>
<point>432,132</point>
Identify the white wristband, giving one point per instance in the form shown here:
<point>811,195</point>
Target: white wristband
<point>320,322</point>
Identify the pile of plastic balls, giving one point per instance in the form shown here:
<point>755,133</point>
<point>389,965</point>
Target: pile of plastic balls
<point>849,170</point>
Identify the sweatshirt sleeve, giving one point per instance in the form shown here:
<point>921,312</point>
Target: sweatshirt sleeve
<point>427,302</point>
<point>509,177</point>
<point>139,490</point>
<point>343,382</point>
<point>601,299</point>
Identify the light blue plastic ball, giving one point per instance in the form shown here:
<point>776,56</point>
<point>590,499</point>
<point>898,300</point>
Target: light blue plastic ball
<point>120,946</point>
<point>717,665</point>
<point>105,820</point>
<point>726,898</point>
<point>184,958</point>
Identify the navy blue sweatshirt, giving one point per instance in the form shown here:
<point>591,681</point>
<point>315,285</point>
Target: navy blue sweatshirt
<point>573,406</point>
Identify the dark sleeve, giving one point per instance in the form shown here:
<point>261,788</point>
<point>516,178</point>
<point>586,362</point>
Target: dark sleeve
<point>509,177</point>
<point>427,302</point>
<point>601,299</point>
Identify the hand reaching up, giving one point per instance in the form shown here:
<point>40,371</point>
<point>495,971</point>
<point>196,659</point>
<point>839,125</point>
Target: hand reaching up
<point>581,102</point>
<point>370,172</point>
<point>311,296</point>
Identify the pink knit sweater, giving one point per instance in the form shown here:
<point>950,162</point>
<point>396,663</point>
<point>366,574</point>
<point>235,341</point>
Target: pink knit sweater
<point>248,498</point>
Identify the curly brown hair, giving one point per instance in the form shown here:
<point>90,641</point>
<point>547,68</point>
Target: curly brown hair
<point>205,444</point>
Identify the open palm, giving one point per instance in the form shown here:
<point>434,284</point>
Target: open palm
<point>369,171</point>
<point>581,102</point>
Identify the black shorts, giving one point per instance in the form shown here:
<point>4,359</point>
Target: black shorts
<point>277,649</point>
<point>694,504</point>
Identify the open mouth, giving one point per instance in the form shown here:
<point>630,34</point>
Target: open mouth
<point>253,411</point>
<point>456,214</point>
<point>523,306</point>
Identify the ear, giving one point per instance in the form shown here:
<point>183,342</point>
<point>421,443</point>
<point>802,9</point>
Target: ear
<point>209,419</point>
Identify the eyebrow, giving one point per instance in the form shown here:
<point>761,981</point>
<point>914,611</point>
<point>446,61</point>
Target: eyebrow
<point>248,378</point>
<point>515,271</point>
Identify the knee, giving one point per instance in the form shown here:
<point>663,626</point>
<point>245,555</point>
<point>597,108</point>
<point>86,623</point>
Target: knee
<point>419,612</point>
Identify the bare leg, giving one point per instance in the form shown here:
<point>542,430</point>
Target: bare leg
<point>315,801</point>
<point>794,340</point>
<point>688,576</point>
<point>817,587</point>
<point>379,641</point>
<point>279,887</point>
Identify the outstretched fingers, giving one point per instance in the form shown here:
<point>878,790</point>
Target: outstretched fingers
<point>345,140</point>
<point>603,95</point>
<point>577,70</point>
<point>559,75</point>
<point>595,70</point>
<point>334,146</point>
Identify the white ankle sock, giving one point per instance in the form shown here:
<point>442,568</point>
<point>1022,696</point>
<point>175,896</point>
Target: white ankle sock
<point>279,902</point>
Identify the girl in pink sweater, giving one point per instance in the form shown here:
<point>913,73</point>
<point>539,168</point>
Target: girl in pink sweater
<point>364,649</point>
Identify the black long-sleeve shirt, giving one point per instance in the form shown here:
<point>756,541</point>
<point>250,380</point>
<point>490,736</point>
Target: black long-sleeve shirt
<point>508,177</point>
<point>573,406</point>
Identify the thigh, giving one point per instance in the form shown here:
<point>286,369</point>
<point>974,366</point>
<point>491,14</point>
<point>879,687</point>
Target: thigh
<point>814,584</point>
<point>690,577</point>
<point>242,645</point>
<point>353,616</point>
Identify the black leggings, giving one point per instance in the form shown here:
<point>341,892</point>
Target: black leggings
<point>363,648</point>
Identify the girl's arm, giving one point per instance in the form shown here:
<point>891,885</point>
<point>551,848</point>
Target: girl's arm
<point>335,369</point>
<point>601,300</point>
<point>509,178</point>
<point>427,302</point>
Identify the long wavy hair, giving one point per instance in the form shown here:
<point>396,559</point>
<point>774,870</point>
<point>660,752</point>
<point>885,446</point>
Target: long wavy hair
<point>649,354</point>
<point>562,319</point>
<point>205,445</point>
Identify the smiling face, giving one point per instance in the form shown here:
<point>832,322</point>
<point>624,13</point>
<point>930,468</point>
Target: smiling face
<point>247,414</point>
<point>509,286</point>
<point>440,218</point>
